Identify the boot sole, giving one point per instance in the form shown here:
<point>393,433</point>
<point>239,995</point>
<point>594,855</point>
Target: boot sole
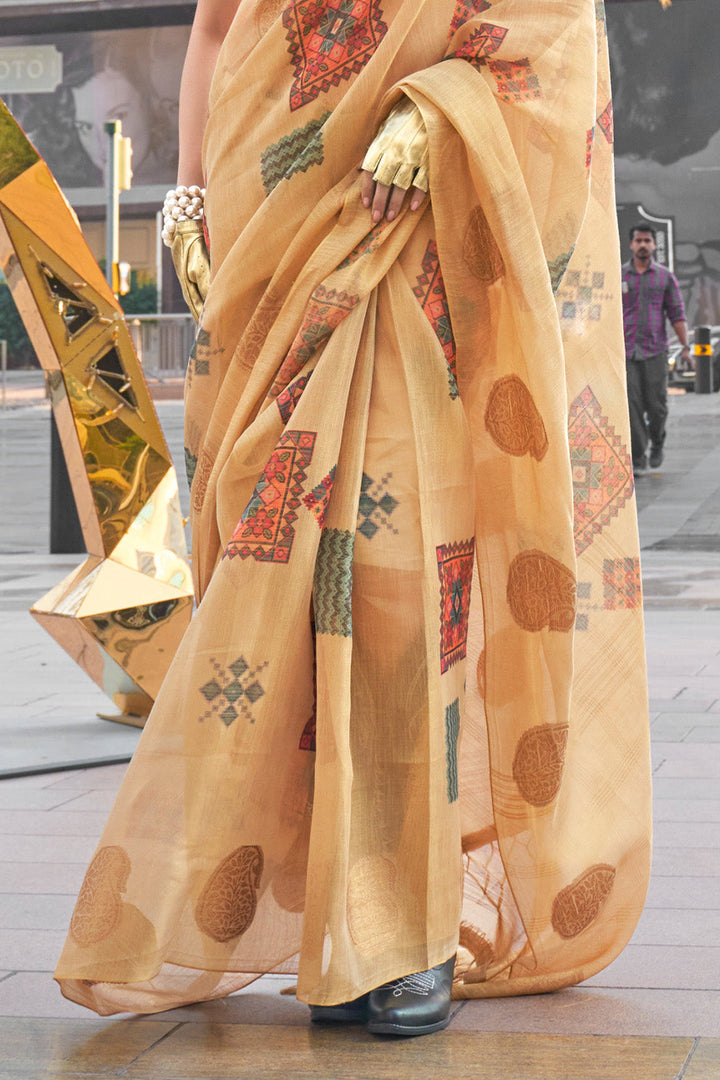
<point>379,1027</point>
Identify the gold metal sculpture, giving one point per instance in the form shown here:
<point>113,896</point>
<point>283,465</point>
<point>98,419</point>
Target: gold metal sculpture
<point>122,613</point>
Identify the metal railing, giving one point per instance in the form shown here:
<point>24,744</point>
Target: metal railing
<point>162,342</point>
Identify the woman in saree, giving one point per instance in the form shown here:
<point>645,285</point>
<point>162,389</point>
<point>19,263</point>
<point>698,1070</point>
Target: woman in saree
<point>404,742</point>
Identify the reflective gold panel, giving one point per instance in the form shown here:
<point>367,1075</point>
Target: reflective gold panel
<point>120,615</point>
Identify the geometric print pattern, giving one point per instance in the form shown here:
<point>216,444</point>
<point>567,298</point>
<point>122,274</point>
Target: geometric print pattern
<point>232,691</point>
<point>557,268</point>
<point>288,399</point>
<point>202,352</point>
<point>325,311</point>
<point>621,590</point>
<point>317,500</point>
<point>332,587</point>
<point>606,123</point>
<point>430,291</point>
<point>452,731</point>
<point>621,583</point>
<point>484,41</point>
<point>455,569</point>
<point>515,80</point>
<point>601,469</point>
<point>467,10</point>
<point>375,507</point>
<point>582,295</point>
<point>266,529</point>
<point>293,153</point>
<point>330,40</point>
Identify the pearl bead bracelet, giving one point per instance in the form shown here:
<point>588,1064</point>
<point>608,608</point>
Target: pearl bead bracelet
<point>181,204</point>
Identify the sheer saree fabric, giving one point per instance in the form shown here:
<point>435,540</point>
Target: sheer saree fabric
<point>409,716</point>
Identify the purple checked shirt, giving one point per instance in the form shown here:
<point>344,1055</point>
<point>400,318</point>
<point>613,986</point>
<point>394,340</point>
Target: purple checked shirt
<point>648,299</point>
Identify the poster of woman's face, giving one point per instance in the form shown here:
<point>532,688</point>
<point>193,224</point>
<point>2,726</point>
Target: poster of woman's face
<point>128,75</point>
<point>667,128</point>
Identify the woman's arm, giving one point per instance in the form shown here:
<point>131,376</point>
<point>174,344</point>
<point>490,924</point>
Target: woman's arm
<point>211,24</point>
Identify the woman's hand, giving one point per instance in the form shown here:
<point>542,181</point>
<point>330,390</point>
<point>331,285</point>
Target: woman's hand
<point>192,263</point>
<point>396,161</point>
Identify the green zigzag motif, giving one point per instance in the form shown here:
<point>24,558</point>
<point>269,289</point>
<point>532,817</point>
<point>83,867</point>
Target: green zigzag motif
<point>557,268</point>
<point>294,153</point>
<point>452,731</point>
<point>332,594</point>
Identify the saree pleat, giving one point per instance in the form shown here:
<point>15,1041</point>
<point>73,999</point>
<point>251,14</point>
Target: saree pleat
<point>409,717</point>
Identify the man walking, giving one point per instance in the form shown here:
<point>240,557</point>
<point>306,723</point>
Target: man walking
<point>650,296</point>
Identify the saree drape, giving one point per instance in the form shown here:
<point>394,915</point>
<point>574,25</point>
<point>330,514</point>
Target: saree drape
<point>409,716</point>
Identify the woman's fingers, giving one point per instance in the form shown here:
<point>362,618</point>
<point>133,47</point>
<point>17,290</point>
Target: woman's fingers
<point>368,188</point>
<point>387,201</point>
<point>417,198</point>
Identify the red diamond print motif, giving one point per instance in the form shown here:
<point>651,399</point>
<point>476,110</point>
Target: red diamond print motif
<point>455,569</point>
<point>606,122</point>
<point>325,311</point>
<point>622,587</point>
<point>330,40</point>
<point>465,11</point>
<point>601,469</point>
<point>430,291</point>
<point>515,80</point>
<point>266,530</point>
<point>484,41</point>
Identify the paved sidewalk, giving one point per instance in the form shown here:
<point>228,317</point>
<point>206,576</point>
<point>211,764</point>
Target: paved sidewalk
<point>652,1015</point>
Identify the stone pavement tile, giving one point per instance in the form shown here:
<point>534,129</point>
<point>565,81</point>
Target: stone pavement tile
<point>669,732</point>
<point>678,926</point>
<point>686,810</point>
<point>704,734</point>
<point>702,766</point>
<point>687,862</point>
<point>103,777</point>
<point>682,704</point>
<point>35,993</point>
<point>36,1049</point>
<point>36,912</point>
<point>683,787</point>
<point>45,849</point>
<point>32,797</point>
<point>351,1053</point>
<point>56,823</point>
<point>47,911</point>
<point>43,877</point>
<point>583,1010</point>
<point>662,967</point>
<point>705,719</point>
<point>99,801</point>
<point>30,950</point>
<point>690,834</point>
<point>683,893</point>
<point>705,1061</point>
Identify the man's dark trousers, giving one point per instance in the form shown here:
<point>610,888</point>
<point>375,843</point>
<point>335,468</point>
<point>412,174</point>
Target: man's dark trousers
<point>647,396</point>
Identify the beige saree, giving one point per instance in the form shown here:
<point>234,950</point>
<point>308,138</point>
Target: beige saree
<point>409,716</point>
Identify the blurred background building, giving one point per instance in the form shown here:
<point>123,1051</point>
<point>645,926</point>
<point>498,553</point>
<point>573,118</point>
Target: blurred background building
<point>68,66</point>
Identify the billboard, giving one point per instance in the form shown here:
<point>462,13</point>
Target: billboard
<point>130,75</point>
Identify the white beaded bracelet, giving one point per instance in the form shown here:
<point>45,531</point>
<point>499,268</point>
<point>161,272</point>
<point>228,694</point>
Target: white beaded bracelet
<point>181,204</point>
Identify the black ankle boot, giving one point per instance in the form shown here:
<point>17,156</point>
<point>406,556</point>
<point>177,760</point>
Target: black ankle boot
<point>347,1012</point>
<point>414,1005</point>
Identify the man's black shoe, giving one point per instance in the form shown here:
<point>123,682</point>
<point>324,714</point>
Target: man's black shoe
<point>348,1012</point>
<point>640,468</point>
<point>656,457</point>
<point>417,1004</point>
